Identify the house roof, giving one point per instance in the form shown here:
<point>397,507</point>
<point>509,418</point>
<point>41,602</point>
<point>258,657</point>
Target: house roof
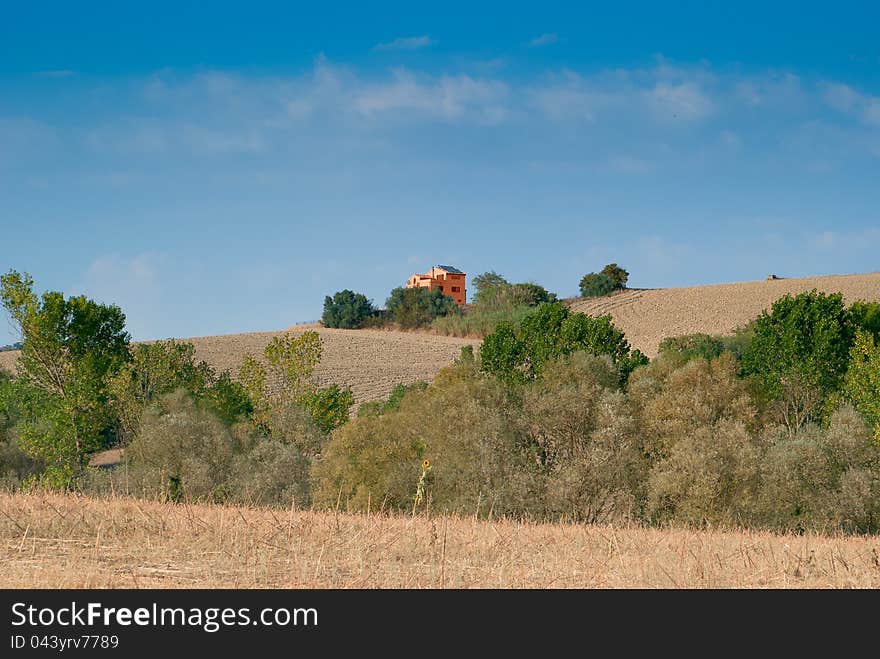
<point>449,269</point>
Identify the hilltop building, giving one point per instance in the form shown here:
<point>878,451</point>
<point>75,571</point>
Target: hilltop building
<point>450,281</point>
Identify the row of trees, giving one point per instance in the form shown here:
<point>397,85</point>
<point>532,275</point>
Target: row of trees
<point>776,426</point>
<point>81,386</point>
<point>545,424</point>
<point>495,300</point>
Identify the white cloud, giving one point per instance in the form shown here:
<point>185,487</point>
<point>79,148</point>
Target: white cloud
<point>545,39</point>
<point>406,43</point>
<point>449,97</point>
<point>849,101</point>
<point>842,98</point>
<point>679,101</point>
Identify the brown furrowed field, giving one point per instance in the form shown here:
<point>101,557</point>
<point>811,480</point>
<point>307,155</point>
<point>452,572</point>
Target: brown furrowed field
<point>56,541</point>
<point>371,362</point>
<point>649,316</point>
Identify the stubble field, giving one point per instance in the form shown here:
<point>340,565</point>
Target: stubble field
<point>57,541</point>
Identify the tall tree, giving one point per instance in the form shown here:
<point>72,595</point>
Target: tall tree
<point>70,349</point>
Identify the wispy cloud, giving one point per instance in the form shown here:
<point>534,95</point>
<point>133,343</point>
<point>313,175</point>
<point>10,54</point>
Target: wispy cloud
<point>545,39</point>
<point>679,101</point>
<point>406,43</point>
<point>847,100</point>
<point>450,97</point>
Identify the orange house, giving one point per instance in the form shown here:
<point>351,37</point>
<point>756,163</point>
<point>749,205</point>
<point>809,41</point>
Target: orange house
<point>450,281</point>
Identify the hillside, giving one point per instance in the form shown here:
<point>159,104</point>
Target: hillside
<point>57,541</point>
<point>371,362</point>
<point>649,316</point>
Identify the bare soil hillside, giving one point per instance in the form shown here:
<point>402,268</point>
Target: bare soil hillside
<point>371,362</point>
<point>57,541</point>
<point>649,316</point>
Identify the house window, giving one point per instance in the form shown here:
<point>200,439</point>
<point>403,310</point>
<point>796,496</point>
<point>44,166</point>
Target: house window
<point>456,289</point>
<point>441,289</point>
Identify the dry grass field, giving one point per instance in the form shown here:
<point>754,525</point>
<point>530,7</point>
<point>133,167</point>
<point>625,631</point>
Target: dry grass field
<point>649,316</point>
<point>56,541</point>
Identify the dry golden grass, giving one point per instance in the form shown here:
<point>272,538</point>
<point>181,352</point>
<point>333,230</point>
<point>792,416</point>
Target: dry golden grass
<point>55,541</point>
<point>649,316</point>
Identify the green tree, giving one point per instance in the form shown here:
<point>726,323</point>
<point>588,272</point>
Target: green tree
<point>417,307</point>
<point>549,332</point>
<point>347,309</point>
<point>486,285</point>
<point>71,348</point>
<point>596,285</point>
<point>616,274</point>
<point>288,364</point>
<point>799,351</point>
<point>866,315</point>
<point>862,382</point>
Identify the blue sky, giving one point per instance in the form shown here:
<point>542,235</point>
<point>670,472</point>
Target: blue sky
<point>221,169</point>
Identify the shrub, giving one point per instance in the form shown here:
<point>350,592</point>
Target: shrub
<point>476,321</point>
<point>691,346</point>
<point>581,434</point>
<point>347,309</point>
<point>459,424</point>
<point>377,407</point>
<point>710,476</point>
<point>417,307</point>
<point>596,285</point>
<point>674,402</point>
<point>289,362</point>
<point>184,452</point>
<point>822,480</point>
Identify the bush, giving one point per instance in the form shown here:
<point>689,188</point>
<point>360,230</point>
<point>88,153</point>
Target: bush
<point>674,402</point>
<point>596,285</point>
<point>691,346</point>
<point>710,476</point>
<point>186,453</point>
<point>377,407</point>
<point>329,407</point>
<point>347,309</point>
<point>417,307</point>
<point>579,430</point>
<point>459,425</point>
<point>822,480</point>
